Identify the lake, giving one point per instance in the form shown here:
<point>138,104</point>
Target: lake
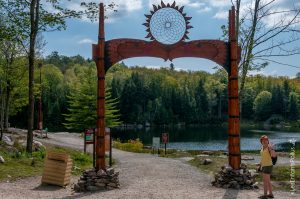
<point>208,137</point>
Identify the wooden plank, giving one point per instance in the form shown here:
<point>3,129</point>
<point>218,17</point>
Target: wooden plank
<point>57,169</point>
<point>58,156</point>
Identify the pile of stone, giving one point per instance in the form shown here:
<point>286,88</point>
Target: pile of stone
<point>95,181</point>
<point>236,179</point>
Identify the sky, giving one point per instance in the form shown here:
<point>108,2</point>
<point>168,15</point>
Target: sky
<point>207,18</point>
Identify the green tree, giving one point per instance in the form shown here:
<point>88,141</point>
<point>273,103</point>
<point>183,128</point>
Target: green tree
<point>201,101</point>
<point>262,105</point>
<point>27,19</point>
<point>277,100</point>
<point>53,96</point>
<point>294,110</point>
<point>247,102</point>
<point>82,103</point>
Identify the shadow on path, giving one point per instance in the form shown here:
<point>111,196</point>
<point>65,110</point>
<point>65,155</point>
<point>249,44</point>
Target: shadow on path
<point>230,194</point>
<point>81,194</point>
<point>47,187</point>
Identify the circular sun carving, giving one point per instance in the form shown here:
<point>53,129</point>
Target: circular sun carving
<point>167,24</point>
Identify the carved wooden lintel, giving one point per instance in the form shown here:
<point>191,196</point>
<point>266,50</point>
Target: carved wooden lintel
<point>120,49</point>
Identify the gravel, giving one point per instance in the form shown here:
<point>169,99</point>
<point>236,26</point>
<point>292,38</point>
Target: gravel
<point>142,176</point>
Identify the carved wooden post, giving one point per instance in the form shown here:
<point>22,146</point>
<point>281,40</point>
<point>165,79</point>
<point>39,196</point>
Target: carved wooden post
<point>233,95</point>
<point>98,57</point>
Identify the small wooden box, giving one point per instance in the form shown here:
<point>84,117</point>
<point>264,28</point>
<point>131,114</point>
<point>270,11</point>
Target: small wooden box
<point>57,169</point>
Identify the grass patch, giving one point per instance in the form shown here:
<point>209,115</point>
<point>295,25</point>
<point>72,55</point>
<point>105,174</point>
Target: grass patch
<point>20,164</point>
<point>212,168</point>
<point>81,161</point>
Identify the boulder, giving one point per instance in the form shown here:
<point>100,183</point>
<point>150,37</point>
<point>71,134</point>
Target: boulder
<point>38,145</point>
<point>207,161</point>
<point>2,159</point>
<point>8,140</point>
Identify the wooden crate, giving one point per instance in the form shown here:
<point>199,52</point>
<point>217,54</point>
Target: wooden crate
<point>57,169</point>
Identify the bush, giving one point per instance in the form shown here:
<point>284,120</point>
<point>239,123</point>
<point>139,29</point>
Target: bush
<point>130,145</point>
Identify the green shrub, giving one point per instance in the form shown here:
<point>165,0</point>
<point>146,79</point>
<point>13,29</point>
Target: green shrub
<point>130,145</point>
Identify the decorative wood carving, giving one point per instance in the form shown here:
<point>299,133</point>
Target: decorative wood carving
<point>120,49</point>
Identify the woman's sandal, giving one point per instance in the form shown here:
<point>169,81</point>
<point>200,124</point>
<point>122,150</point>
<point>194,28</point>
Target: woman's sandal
<point>270,196</point>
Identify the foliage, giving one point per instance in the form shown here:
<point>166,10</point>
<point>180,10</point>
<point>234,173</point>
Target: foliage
<point>131,145</point>
<point>294,109</point>
<point>262,105</point>
<point>82,102</point>
<point>145,96</point>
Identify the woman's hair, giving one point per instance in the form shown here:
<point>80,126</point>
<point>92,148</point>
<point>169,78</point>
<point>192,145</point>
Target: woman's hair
<point>264,137</point>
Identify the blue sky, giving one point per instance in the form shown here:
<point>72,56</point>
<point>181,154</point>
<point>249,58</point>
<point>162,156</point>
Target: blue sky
<point>207,18</point>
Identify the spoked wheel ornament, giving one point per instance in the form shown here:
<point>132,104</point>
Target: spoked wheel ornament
<point>167,24</point>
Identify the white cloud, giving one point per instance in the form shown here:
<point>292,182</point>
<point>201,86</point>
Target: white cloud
<point>196,4</point>
<point>221,15</point>
<point>159,67</point>
<point>178,2</point>
<point>264,72</point>
<point>123,6</point>
<point>219,3</point>
<point>86,41</point>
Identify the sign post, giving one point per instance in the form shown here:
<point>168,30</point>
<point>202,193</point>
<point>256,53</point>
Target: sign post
<point>165,140</point>
<point>156,143</point>
<point>109,137</point>
<point>88,137</point>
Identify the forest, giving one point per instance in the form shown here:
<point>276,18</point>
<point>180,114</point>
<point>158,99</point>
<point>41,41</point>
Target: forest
<point>138,95</point>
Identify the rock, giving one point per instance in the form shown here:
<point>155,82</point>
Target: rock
<point>243,166</point>
<point>92,188</point>
<point>81,182</point>
<point>248,182</point>
<point>228,169</point>
<point>101,173</point>
<point>207,161</point>
<point>247,157</point>
<point>110,171</point>
<point>101,180</point>
<point>236,179</point>
<point>7,140</point>
<point>2,159</point>
<point>226,186</point>
<point>100,184</point>
<point>38,145</point>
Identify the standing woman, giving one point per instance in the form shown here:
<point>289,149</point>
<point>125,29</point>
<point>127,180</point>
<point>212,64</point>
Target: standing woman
<point>266,166</point>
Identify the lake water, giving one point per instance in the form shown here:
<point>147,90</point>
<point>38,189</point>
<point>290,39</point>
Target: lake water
<point>208,137</point>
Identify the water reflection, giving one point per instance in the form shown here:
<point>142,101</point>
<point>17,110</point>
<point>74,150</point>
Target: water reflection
<point>207,137</point>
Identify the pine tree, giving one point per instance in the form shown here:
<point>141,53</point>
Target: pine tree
<point>293,110</point>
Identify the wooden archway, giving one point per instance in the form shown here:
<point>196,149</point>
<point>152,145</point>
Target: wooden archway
<point>226,54</point>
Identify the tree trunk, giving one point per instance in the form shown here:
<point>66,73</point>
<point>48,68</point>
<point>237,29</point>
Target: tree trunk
<point>249,48</point>
<point>34,19</point>
<point>220,106</point>
<point>1,113</point>
<point>6,107</point>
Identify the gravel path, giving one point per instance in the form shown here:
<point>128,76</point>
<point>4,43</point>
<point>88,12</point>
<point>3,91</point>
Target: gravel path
<point>142,176</point>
